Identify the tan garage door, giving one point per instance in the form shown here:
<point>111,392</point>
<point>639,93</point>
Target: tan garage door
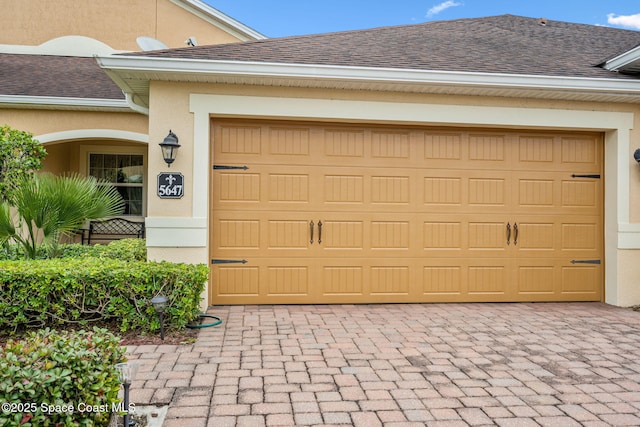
<point>331,213</point>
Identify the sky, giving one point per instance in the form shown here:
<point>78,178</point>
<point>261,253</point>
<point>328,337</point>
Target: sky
<point>280,18</point>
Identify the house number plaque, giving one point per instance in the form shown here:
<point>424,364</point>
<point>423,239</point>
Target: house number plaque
<point>170,185</point>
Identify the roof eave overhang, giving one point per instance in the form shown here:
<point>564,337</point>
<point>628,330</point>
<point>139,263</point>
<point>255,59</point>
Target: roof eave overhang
<point>134,74</point>
<point>219,19</point>
<point>628,62</point>
<point>64,103</point>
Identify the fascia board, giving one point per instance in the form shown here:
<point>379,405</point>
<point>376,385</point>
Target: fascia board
<point>67,103</point>
<point>621,61</point>
<point>217,18</point>
<point>149,67</point>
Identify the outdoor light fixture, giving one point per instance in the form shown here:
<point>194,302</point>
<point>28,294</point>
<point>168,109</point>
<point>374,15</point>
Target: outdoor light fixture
<point>159,304</point>
<point>636,155</point>
<point>169,148</point>
<point>127,373</point>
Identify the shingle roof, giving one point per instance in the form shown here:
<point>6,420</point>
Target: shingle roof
<point>55,76</point>
<point>499,44</point>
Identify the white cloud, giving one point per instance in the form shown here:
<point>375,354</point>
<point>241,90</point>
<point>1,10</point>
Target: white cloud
<point>629,21</point>
<point>442,6</point>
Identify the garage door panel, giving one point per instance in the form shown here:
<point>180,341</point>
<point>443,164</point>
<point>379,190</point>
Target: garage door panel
<point>488,192</point>
<point>464,279</point>
<point>553,279</point>
<point>236,282</point>
<point>278,280</point>
<point>573,153</point>
<point>443,235</point>
<point>489,279</point>
<point>238,187</point>
<point>341,235</point>
<point>488,150</point>
<point>581,152</point>
<point>245,234</point>
<point>289,188</point>
<point>288,280</point>
<point>444,279</point>
<point>376,279</point>
<point>467,149</point>
<point>559,236</point>
<point>377,235</point>
<point>536,236</point>
<point>537,280</point>
<point>462,190</point>
<point>237,139</point>
<point>238,234</point>
<point>390,235</point>
<point>581,282</point>
<point>581,195</point>
<point>535,192</point>
<point>385,190</point>
<point>557,192</point>
<point>581,236</point>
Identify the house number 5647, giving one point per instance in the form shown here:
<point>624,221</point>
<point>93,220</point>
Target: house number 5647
<point>170,185</point>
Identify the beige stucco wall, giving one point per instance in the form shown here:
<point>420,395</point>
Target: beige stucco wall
<point>629,273</point>
<point>69,135</point>
<point>41,122</point>
<point>178,119</point>
<point>115,22</point>
<point>171,108</point>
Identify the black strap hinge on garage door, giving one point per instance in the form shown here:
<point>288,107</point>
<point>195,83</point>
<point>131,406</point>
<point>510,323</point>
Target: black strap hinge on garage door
<point>225,167</point>
<point>229,261</point>
<point>593,176</point>
<point>586,261</point>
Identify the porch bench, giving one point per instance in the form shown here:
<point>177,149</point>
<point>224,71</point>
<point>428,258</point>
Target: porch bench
<point>113,229</point>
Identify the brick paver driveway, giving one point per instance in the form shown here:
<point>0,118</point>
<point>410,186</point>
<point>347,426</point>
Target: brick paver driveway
<point>400,365</point>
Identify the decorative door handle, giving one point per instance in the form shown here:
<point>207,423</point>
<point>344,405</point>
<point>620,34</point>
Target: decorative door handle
<point>319,231</point>
<point>508,234</point>
<point>515,229</point>
<point>311,224</point>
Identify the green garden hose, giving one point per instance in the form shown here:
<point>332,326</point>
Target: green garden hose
<point>206,325</point>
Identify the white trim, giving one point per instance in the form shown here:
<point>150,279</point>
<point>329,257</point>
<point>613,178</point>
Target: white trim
<point>63,46</point>
<point>620,62</point>
<point>201,162</point>
<point>176,232</point>
<point>629,236</point>
<point>135,107</point>
<point>183,69</point>
<point>331,109</point>
<point>219,19</point>
<point>616,126</point>
<point>114,134</point>
<point>66,103</point>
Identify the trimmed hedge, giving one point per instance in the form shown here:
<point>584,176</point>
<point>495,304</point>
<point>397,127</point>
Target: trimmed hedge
<point>60,379</point>
<point>125,250</point>
<point>39,293</point>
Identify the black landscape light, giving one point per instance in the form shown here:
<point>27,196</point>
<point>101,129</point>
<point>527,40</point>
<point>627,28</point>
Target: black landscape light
<point>126,373</point>
<point>159,304</point>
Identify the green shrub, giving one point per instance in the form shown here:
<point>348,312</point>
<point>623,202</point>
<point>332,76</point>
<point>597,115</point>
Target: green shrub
<point>125,250</point>
<point>39,293</point>
<point>60,368</point>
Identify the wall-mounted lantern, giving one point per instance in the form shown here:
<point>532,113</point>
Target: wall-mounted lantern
<point>169,148</point>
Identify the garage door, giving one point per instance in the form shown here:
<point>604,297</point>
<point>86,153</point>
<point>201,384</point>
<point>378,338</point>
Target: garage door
<point>331,213</point>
